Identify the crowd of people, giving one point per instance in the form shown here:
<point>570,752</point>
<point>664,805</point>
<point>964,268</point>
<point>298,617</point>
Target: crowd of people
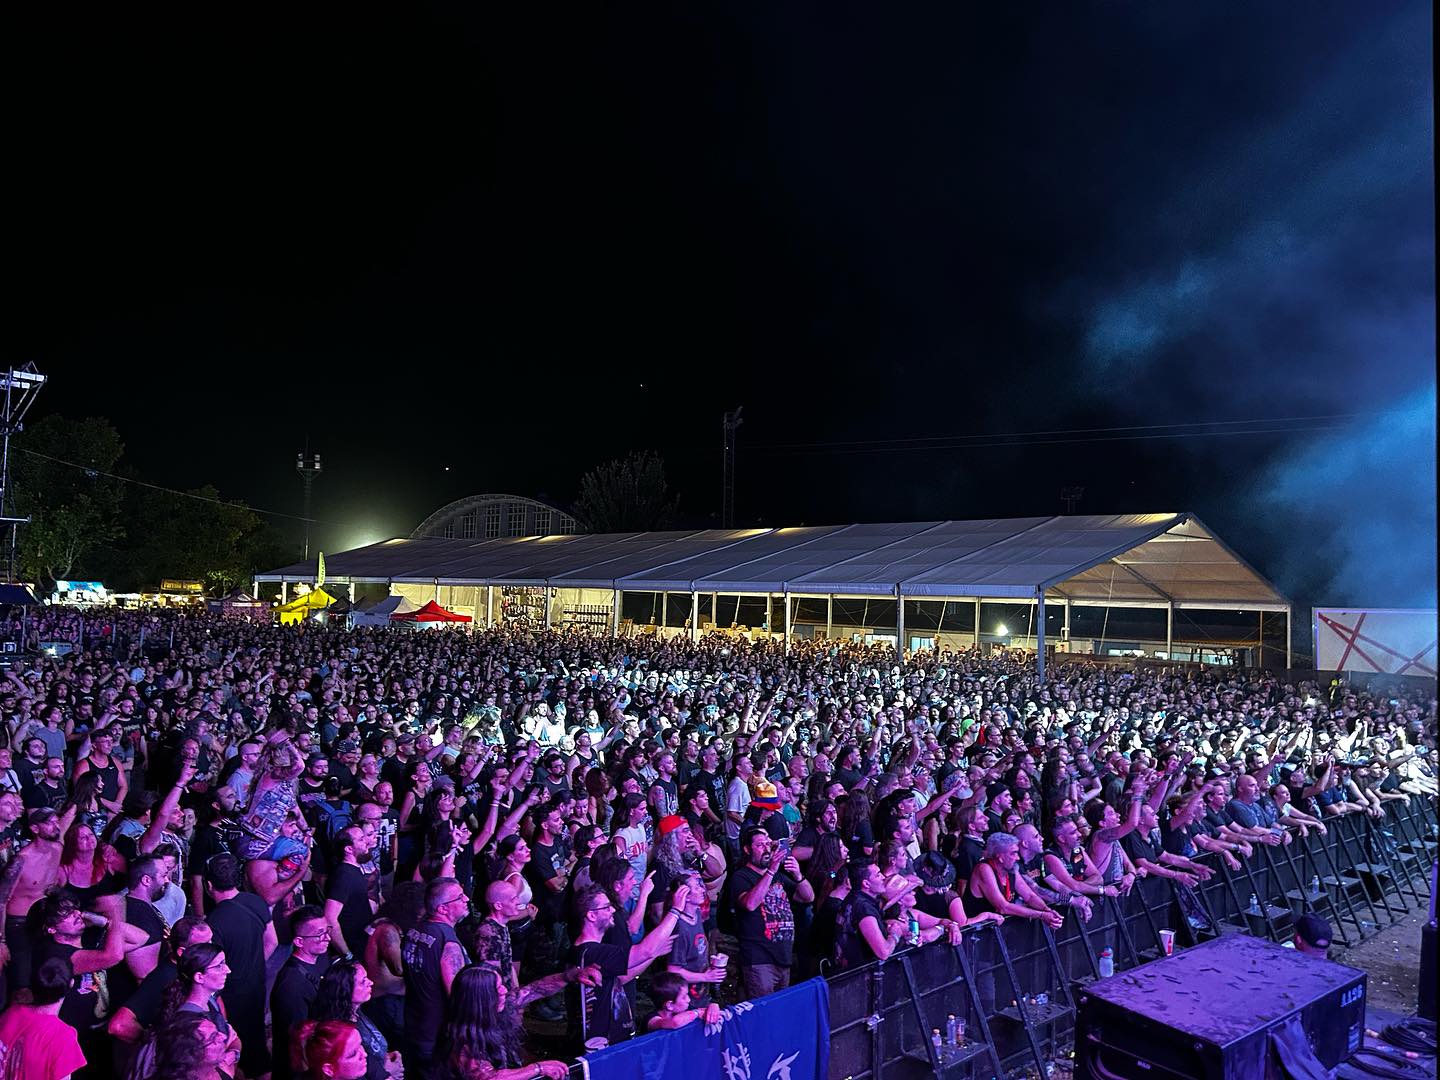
<point>233,850</point>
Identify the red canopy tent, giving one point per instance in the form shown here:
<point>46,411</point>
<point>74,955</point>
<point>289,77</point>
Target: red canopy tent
<point>430,613</point>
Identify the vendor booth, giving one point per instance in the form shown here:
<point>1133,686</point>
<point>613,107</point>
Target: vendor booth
<point>432,614</point>
<point>307,605</point>
<point>379,612</point>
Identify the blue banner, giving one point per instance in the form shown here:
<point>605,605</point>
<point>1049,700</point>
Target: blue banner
<point>785,1036</point>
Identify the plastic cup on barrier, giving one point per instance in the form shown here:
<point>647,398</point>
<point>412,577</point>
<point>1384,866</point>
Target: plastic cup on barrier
<point>1167,941</point>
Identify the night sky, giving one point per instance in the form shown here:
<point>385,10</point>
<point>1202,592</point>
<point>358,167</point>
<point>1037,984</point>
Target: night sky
<point>519,240</point>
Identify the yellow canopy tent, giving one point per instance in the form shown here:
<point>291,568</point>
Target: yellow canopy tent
<point>302,607</point>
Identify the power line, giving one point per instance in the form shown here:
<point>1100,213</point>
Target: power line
<point>90,470</point>
<point>1006,441</point>
<point>1329,418</point>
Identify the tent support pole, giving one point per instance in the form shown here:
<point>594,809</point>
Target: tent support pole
<point>769,614</point>
<point>437,590</point>
<point>284,592</point>
<point>1170,630</point>
<point>664,609</point>
<point>1040,636</point>
<point>351,587</point>
<point>549,607</point>
<point>1260,642</point>
<point>1067,624</point>
<point>977,624</point>
<point>787,623</point>
<point>615,615</point>
<point>899,627</point>
<point>829,615</point>
<point>489,606</point>
<point>1289,658</point>
<point>694,615</point>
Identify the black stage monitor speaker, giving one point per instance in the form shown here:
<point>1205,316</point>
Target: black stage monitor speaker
<point>1427,971</point>
<point>1207,1013</point>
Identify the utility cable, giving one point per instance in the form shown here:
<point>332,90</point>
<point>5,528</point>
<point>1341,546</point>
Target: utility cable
<point>90,470</point>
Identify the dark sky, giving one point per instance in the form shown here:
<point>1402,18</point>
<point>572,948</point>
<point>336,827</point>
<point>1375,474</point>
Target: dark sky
<point>520,242</point>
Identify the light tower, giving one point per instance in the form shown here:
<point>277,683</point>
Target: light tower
<point>727,491</point>
<point>308,466</point>
<point>20,385</point>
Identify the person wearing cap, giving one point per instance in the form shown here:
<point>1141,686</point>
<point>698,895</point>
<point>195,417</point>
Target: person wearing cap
<point>1312,936</point>
<point>765,810</point>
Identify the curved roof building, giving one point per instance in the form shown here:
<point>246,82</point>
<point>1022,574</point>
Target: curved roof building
<point>493,516</point>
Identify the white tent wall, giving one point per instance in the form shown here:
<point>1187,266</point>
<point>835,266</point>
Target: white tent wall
<point>419,595</point>
<point>464,600</point>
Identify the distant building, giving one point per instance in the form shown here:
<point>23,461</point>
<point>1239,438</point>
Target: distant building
<point>492,516</point>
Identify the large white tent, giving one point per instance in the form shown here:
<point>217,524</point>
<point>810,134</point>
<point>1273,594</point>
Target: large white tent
<point>1170,561</point>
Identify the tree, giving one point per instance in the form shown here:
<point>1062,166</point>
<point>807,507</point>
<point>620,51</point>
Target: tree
<point>628,495</point>
<point>195,536</point>
<point>58,479</point>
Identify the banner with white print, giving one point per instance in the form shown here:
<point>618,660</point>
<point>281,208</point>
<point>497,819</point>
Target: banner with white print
<point>784,1036</point>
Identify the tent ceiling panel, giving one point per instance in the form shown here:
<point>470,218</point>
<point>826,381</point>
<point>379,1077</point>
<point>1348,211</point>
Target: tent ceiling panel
<point>1047,553</point>
<point>382,561</point>
<point>525,559</point>
<point>652,550</point>
<point>705,570</point>
<point>1147,558</point>
<point>877,571</point>
<point>786,569</point>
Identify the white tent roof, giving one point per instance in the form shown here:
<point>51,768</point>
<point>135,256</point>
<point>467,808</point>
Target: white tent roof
<point>1121,559</point>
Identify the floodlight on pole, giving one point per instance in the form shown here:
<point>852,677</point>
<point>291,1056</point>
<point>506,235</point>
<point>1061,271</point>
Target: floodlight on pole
<point>308,466</point>
<point>1002,630</point>
<point>20,385</point>
<point>727,485</point>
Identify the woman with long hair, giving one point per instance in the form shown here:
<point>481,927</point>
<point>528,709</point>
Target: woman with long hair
<point>827,875</point>
<point>190,1047</point>
<point>344,989</point>
<point>472,1039</point>
<point>617,878</point>
<point>854,827</point>
<point>200,974</point>
<point>85,797</point>
<point>327,1050</point>
<point>272,795</point>
<point>88,866</point>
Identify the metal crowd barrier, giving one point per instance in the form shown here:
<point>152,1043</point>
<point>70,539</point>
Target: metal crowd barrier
<point>1013,985</point>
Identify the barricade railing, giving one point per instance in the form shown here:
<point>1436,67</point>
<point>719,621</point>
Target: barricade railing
<point>1012,985</point>
<point>1369,871</point>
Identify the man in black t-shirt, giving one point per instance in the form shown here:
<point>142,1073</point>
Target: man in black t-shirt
<point>241,925</point>
<point>347,895</point>
<point>49,789</point>
<point>299,980</point>
<point>761,891</point>
<point>547,871</point>
<point>602,1012</point>
<point>147,884</point>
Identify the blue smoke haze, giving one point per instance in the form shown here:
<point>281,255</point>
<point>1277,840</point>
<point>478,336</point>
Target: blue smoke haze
<point>1299,279</point>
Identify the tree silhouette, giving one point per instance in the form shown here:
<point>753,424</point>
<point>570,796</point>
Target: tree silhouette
<point>628,495</point>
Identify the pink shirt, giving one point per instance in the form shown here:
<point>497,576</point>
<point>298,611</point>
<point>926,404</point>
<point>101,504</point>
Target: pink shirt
<point>36,1046</point>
